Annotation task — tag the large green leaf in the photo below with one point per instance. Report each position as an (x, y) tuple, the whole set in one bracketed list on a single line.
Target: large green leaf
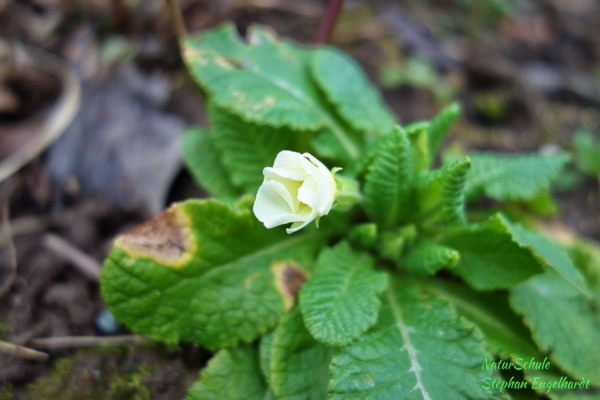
[(388, 182), (504, 332), (246, 148), (419, 349), (232, 374), (205, 273), (512, 176), (340, 299), (266, 81), (563, 323), (547, 253), (299, 363), (205, 165), (347, 87), (489, 256)]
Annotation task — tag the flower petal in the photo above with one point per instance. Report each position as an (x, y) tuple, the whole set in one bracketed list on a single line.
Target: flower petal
[(327, 187), (289, 164), (308, 192), (272, 200), (311, 168), (320, 166), (326, 194), (296, 226), (291, 186)]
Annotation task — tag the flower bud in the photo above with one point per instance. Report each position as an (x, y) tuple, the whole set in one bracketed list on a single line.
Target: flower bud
[(297, 189)]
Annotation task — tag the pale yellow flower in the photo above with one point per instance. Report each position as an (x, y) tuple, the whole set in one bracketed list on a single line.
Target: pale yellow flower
[(297, 189)]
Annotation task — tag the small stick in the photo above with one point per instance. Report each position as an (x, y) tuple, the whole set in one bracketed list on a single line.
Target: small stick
[(86, 264), (328, 22), (23, 352), (25, 225), (11, 265), (61, 342)]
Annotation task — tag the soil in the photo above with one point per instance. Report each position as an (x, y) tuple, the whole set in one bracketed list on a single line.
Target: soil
[(527, 76)]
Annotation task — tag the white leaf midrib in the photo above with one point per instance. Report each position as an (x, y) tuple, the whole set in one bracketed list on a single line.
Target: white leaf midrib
[(410, 349)]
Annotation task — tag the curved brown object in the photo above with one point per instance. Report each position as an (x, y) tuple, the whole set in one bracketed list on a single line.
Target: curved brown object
[(60, 116)]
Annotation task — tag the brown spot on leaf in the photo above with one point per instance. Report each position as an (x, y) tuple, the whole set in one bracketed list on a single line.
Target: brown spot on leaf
[(166, 238), (289, 277)]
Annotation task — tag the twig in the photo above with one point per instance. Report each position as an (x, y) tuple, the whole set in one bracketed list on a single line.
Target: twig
[(177, 18), (62, 113), (26, 225), (86, 264), (328, 22), (61, 342), (11, 264), (23, 352)]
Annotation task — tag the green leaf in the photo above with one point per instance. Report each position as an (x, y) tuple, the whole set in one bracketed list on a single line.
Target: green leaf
[(585, 255), (246, 148), (388, 182), (453, 192), (512, 177), (231, 374), (542, 204), (393, 243), (205, 273), (339, 300), (299, 364), (204, 163), (439, 127), (364, 235), (489, 257), (428, 257), (266, 344), (547, 253), (566, 393), (587, 153), (563, 323), (266, 81), (418, 134), (504, 332), (441, 194), (575, 392), (347, 87), (419, 349)]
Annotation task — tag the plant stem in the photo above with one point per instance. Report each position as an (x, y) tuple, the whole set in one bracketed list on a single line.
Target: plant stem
[(177, 18), (328, 22)]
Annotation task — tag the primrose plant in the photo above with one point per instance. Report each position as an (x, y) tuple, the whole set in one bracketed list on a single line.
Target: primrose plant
[(398, 293)]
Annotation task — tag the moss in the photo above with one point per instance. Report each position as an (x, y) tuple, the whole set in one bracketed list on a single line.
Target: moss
[(53, 386), (6, 392), (130, 387), (87, 375)]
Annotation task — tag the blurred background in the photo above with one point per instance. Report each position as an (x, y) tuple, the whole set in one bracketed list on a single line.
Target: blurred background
[(94, 100)]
